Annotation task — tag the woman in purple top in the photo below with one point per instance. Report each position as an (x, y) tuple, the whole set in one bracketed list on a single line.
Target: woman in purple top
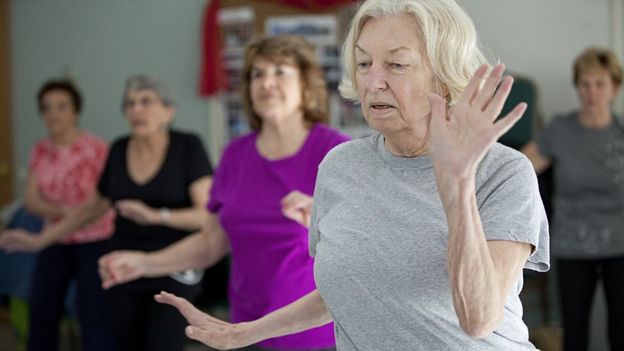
[(261, 196)]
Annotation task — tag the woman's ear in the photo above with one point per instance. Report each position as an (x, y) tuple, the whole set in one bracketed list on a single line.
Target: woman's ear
[(171, 111), (616, 91), (170, 114), (444, 92)]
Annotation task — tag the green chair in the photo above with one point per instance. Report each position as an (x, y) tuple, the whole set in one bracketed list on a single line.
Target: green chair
[(523, 90)]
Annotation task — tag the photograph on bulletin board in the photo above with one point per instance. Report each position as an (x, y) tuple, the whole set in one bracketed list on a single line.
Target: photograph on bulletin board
[(237, 28)]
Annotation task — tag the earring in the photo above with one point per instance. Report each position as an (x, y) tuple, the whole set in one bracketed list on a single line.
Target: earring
[(449, 101)]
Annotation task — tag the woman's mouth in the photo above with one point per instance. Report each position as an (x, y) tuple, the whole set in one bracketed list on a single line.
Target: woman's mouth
[(381, 106)]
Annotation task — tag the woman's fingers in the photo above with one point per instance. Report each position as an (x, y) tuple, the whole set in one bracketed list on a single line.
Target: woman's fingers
[(194, 316), (484, 96), (438, 110), (497, 102), (205, 328), (504, 124), (490, 97), (186, 308), (16, 240), (119, 267), (294, 197), (474, 85), (297, 206)]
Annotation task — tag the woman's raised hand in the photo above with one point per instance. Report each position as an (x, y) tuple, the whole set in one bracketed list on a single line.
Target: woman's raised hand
[(461, 136)]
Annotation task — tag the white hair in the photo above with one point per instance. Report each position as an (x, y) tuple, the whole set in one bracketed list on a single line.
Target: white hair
[(450, 42)]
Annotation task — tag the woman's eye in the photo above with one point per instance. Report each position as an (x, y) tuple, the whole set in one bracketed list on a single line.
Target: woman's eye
[(363, 65), (395, 65)]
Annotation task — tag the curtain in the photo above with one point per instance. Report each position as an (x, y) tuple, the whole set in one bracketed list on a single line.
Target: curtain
[(212, 77)]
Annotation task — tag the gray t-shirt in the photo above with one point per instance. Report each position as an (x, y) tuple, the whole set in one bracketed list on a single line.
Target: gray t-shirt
[(589, 188), (379, 235)]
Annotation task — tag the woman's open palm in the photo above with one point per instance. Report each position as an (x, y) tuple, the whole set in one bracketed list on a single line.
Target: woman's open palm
[(461, 136), (205, 328)]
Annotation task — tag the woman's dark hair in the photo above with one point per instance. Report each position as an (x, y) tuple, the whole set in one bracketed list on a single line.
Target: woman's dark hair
[(62, 85)]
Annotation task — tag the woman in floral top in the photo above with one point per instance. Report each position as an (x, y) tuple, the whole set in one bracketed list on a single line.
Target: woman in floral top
[(63, 173)]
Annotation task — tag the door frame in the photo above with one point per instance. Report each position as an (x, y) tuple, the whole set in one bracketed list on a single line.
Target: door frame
[(617, 42), (6, 141)]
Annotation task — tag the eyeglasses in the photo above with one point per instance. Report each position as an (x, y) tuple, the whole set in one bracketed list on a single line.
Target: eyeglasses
[(144, 102)]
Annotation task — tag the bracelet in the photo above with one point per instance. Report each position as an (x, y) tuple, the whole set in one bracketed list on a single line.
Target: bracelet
[(165, 214)]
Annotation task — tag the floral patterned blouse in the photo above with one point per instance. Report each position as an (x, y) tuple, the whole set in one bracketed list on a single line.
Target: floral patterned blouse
[(67, 176)]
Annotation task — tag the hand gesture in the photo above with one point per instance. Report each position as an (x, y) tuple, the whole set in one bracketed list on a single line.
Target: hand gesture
[(19, 240), (137, 211), (120, 267), (298, 207), (207, 329), (461, 136)]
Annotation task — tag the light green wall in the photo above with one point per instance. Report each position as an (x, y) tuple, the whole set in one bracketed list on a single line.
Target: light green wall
[(100, 43)]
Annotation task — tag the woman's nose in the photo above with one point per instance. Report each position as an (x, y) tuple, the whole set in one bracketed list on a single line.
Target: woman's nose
[(268, 81), (376, 79)]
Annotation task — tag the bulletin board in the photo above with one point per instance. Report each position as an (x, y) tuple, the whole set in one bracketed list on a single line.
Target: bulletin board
[(238, 29), (267, 8)]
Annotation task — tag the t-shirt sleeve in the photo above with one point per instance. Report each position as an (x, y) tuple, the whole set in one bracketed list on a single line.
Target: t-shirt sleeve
[(511, 209), (197, 165)]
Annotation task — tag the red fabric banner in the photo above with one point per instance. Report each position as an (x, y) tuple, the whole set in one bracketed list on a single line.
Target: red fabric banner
[(212, 77)]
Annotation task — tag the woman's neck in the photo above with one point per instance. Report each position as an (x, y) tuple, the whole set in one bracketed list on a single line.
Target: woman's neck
[(149, 144), (281, 140), (67, 137), (595, 119), (405, 144)]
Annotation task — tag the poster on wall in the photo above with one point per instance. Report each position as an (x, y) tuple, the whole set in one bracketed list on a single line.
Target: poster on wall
[(237, 28), (319, 30)]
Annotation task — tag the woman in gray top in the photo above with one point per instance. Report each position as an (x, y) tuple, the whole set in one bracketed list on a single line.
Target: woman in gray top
[(586, 148), (421, 231)]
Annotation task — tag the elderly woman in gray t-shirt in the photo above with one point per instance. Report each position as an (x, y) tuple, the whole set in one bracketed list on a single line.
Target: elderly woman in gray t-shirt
[(421, 231), (586, 148)]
